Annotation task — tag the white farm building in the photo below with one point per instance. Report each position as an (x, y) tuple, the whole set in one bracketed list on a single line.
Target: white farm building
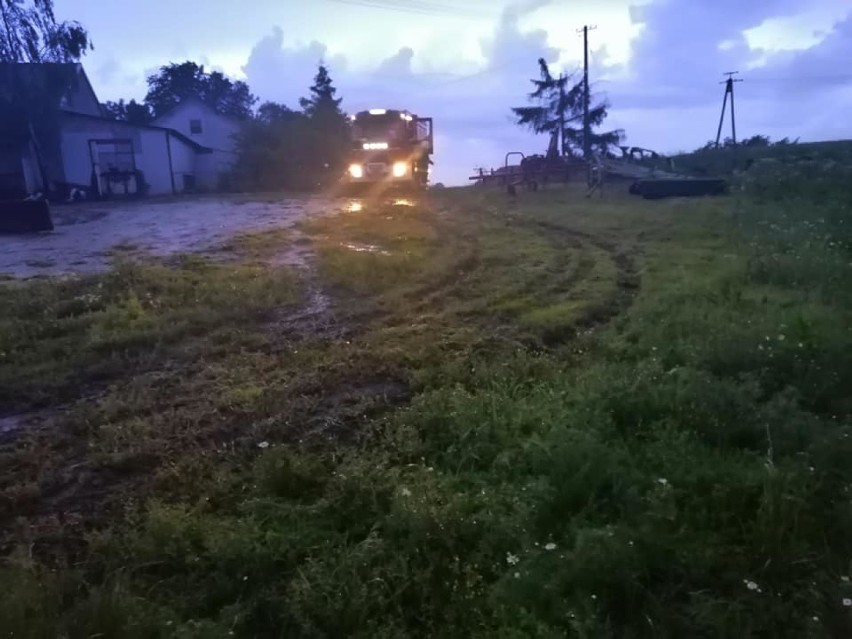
[(77, 146)]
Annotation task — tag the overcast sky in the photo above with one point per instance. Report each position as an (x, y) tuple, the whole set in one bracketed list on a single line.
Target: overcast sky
[(465, 63)]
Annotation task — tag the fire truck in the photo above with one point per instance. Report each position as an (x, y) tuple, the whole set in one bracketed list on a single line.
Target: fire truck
[(390, 148)]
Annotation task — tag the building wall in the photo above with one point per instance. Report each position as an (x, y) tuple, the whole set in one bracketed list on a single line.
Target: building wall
[(152, 158), (183, 164), (211, 168), (151, 148), (217, 131)]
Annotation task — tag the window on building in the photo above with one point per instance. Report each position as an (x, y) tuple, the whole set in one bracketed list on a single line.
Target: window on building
[(195, 126)]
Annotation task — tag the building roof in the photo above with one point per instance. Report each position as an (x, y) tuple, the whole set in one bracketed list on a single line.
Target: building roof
[(52, 81), (177, 134)]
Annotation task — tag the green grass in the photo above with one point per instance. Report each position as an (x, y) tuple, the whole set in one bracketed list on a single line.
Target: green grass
[(727, 160), (554, 417)]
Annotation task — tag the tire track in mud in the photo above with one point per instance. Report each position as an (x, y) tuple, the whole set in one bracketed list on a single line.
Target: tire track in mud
[(627, 280), (77, 494), (562, 239)]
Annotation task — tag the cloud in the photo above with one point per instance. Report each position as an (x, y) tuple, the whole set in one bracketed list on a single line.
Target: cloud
[(283, 74), (397, 64), (819, 66), (511, 48)]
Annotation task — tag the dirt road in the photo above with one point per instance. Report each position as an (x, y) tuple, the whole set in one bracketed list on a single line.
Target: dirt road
[(86, 234)]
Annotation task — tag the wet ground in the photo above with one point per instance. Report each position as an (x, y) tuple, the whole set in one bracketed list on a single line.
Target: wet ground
[(86, 234)]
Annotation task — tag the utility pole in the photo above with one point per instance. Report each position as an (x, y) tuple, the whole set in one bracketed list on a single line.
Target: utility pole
[(729, 89), (561, 115), (587, 134)]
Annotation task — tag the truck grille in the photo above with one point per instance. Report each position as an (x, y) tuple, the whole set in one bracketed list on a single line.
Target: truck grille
[(374, 169)]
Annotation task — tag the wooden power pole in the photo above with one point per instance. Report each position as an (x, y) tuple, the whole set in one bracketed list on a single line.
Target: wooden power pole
[(561, 115), (729, 89), (587, 132)]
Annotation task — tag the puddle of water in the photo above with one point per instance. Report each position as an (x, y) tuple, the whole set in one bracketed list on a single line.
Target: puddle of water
[(353, 207), (298, 256), (403, 202), (11, 424), (85, 235), (365, 248), (318, 303)]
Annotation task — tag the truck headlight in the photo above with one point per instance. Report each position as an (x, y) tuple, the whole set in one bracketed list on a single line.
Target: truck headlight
[(399, 169), (356, 171)]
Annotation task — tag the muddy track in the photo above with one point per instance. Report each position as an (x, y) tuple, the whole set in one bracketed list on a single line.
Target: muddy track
[(77, 494), (627, 284)]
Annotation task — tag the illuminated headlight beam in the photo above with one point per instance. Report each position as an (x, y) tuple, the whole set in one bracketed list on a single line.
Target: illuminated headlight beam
[(399, 169), (356, 171)]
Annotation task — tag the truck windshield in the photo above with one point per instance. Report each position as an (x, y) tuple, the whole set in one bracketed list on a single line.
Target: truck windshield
[(379, 128)]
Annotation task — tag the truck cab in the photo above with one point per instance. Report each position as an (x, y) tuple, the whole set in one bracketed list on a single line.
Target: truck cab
[(389, 148)]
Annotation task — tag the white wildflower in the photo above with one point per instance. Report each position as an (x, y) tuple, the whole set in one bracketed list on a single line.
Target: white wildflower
[(663, 481), (405, 492), (781, 337), (517, 575), (550, 546), (512, 559), (751, 585), (263, 445), (847, 602), (844, 579)]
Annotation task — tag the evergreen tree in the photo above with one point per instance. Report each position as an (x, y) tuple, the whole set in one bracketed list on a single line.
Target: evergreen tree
[(329, 127), (555, 102), (322, 104)]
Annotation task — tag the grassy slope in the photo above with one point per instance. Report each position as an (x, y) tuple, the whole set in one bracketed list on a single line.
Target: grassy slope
[(726, 160), (544, 418)]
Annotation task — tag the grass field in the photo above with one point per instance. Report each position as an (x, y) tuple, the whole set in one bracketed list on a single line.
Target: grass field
[(474, 417)]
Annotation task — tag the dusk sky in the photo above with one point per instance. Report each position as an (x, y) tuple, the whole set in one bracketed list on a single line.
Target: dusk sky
[(659, 62)]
